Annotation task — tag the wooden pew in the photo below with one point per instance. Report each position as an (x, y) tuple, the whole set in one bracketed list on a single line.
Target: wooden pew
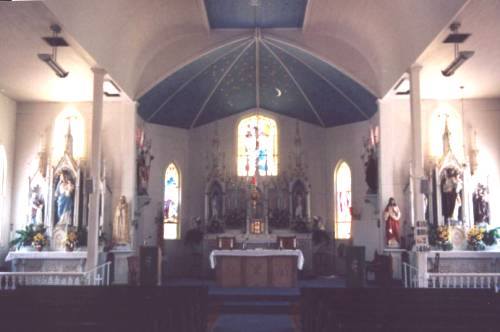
[(117, 308), (394, 309)]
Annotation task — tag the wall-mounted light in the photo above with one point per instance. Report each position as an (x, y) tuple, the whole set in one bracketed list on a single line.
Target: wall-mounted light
[(111, 89), (456, 38), (51, 59)]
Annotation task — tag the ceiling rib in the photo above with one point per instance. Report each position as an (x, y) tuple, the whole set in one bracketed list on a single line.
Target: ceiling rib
[(313, 109), (202, 108), (336, 88), (183, 85)]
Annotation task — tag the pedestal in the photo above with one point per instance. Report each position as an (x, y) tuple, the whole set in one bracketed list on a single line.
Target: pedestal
[(120, 266)]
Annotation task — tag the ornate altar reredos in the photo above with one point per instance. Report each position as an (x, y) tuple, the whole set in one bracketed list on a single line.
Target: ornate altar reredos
[(257, 205), (57, 195), (450, 197)]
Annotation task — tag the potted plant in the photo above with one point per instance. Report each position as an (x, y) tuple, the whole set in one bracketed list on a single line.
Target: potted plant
[(25, 236)]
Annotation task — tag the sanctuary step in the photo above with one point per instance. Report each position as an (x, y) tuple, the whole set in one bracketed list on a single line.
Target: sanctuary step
[(254, 301)]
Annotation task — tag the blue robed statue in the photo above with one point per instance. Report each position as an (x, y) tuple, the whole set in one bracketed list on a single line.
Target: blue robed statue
[(64, 194)]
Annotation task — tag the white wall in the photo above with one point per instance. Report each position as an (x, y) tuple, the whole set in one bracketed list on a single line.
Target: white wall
[(345, 143), (7, 139), (118, 146)]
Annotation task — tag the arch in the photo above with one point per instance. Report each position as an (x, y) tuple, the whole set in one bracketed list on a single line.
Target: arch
[(257, 139), (68, 121), (343, 200), (171, 202)]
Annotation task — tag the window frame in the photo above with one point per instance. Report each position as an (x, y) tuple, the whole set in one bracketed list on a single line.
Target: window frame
[(179, 191), (337, 222)]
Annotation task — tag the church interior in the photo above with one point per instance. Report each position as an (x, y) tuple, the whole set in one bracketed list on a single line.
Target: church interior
[(278, 165)]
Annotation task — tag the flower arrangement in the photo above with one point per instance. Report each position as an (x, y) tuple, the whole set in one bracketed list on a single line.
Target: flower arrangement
[(26, 235), (443, 238), (71, 241), (39, 241), (475, 237)]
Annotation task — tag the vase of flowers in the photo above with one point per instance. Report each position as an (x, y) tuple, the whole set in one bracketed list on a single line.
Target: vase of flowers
[(39, 241), (443, 238), (71, 241), (475, 238)]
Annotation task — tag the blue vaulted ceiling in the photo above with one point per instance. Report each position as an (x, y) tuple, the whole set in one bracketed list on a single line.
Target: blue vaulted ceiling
[(225, 81)]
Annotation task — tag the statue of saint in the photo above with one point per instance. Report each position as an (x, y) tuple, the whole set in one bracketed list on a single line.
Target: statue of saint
[(64, 195), (392, 214), (481, 206), (120, 223), (215, 206), (299, 209), (450, 189), (37, 206)]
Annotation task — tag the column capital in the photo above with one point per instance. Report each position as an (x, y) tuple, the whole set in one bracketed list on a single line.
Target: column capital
[(415, 68), (98, 71)]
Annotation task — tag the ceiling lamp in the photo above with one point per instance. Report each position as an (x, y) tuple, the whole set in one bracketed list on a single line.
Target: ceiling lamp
[(51, 59), (456, 38)]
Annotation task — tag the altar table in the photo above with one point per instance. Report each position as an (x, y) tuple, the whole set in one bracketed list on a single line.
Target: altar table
[(256, 268), (47, 261)]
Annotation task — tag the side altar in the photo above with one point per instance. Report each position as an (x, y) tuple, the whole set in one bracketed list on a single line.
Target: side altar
[(47, 261)]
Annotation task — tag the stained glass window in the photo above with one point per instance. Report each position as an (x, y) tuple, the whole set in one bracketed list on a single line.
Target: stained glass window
[(257, 144), (343, 201), (3, 183), (171, 203), (72, 118)]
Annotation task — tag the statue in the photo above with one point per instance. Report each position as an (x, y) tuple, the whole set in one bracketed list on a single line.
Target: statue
[(121, 234), (392, 214), (37, 206), (64, 198), (214, 205), (299, 210), (450, 189), (481, 205)]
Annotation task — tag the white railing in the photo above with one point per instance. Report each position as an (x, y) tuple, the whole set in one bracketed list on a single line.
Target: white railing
[(463, 280), (410, 276), (98, 276)]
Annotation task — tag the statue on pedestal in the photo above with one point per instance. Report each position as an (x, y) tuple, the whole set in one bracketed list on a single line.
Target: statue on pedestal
[(121, 235), (392, 214)]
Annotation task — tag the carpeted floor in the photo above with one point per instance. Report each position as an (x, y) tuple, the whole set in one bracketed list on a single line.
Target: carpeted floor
[(253, 323)]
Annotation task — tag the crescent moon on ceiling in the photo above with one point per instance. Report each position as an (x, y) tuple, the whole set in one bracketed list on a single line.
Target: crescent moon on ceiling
[(278, 92)]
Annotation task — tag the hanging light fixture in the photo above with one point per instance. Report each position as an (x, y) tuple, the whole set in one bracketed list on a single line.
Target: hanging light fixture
[(456, 38), (51, 59)]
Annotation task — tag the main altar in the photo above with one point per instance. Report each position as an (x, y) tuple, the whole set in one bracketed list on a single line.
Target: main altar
[(255, 210)]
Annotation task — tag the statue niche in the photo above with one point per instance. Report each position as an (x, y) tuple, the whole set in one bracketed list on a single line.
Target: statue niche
[(67, 197), (278, 209), (235, 205)]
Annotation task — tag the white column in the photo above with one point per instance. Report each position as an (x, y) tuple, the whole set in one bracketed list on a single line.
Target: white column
[(417, 153), (417, 164), (95, 167)]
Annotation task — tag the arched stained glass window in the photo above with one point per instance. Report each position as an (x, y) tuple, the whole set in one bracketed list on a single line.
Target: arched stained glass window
[(343, 201), (257, 141), (171, 203), (3, 183), (69, 119)]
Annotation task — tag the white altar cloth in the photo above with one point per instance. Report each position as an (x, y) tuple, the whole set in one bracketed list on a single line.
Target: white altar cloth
[(13, 255), (258, 253)]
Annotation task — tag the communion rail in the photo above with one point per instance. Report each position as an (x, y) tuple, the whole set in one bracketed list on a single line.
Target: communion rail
[(98, 276), (450, 280)]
